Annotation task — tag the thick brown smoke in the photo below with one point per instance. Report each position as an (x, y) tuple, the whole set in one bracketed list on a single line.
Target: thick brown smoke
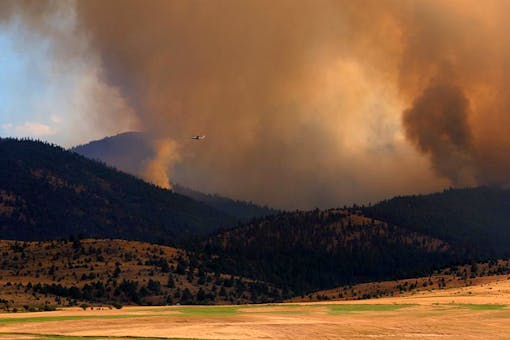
[(461, 48), (310, 102), (437, 123)]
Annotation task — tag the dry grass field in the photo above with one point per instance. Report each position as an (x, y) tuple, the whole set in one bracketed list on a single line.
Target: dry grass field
[(475, 312)]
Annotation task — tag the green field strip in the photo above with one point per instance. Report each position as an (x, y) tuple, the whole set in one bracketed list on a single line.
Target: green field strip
[(350, 308), (208, 311), (86, 337), (293, 309), (4, 321), (479, 307)]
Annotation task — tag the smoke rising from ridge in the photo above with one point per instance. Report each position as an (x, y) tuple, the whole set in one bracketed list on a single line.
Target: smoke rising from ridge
[(157, 168), (310, 103)]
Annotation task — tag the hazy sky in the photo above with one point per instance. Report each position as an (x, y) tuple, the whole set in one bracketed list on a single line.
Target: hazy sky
[(39, 102), (304, 103), (42, 96)]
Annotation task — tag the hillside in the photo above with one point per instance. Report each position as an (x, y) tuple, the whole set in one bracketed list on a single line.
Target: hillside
[(44, 275), (67, 273), (129, 152), (244, 211), (466, 275), (126, 151), (48, 193), (306, 251), (476, 219)]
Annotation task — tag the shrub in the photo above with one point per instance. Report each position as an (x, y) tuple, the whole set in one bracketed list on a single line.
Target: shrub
[(117, 305)]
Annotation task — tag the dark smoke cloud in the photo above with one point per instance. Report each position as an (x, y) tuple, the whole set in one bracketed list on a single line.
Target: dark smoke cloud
[(437, 124), (309, 103)]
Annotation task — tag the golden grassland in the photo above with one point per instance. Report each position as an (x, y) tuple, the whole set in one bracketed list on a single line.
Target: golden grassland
[(478, 311)]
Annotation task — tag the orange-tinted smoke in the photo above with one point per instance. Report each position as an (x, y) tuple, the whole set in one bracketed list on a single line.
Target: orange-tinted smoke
[(157, 168), (315, 103)]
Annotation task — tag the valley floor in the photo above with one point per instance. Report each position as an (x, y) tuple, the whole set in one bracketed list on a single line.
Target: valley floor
[(480, 311)]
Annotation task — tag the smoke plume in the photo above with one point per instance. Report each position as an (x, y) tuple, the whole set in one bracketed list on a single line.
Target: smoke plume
[(157, 168), (437, 124), (307, 103)]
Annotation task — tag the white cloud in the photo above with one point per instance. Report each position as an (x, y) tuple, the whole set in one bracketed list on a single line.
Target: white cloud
[(56, 119), (7, 126), (34, 129)]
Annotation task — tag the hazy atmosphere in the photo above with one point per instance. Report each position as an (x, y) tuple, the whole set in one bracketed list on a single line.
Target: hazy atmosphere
[(254, 169), (304, 104)]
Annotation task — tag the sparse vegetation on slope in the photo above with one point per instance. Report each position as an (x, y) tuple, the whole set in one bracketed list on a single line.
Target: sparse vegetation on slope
[(451, 277), (38, 275)]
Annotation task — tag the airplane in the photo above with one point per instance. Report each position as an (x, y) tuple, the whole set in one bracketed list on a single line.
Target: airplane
[(198, 137)]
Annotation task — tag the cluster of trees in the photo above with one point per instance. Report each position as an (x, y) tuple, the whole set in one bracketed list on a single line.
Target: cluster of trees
[(106, 271), (133, 292)]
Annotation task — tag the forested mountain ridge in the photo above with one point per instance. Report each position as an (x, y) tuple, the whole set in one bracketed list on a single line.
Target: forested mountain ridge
[(129, 151), (474, 219), (47, 193), (242, 210), (402, 237), (306, 251)]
